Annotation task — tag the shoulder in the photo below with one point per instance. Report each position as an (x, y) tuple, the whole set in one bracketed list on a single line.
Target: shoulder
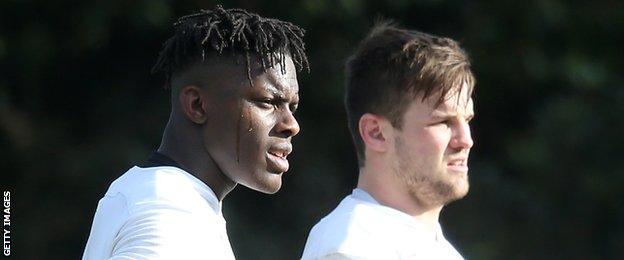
[(171, 214), (152, 181), (158, 212), (350, 229), (352, 216), (169, 233), (161, 186)]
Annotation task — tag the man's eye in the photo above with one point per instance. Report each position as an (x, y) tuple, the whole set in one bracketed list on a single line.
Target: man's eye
[(267, 103), (443, 122), (293, 109)]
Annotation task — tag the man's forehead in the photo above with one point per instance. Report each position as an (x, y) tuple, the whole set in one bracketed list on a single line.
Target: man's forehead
[(454, 106), (280, 79), (458, 101)]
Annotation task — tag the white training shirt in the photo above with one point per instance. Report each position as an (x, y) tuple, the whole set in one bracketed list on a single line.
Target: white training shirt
[(361, 228), (158, 213)]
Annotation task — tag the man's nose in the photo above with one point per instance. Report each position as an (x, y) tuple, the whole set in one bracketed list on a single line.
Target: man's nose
[(462, 138), (287, 125)]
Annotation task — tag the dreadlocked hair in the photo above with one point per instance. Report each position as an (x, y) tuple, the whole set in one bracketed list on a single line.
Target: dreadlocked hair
[(233, 30)]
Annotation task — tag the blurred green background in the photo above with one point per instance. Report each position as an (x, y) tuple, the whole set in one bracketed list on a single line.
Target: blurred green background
[(78, 107)]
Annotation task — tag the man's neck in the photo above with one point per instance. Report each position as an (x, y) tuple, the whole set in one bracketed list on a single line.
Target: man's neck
[(191, 156), (390, 191)]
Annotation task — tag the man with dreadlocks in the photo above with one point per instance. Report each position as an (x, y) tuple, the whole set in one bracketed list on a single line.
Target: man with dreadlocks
[(408, 102), (233, 94)]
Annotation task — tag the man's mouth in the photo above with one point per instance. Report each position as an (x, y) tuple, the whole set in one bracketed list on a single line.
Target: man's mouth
[(281, 154), (276, 158), (458, 165)]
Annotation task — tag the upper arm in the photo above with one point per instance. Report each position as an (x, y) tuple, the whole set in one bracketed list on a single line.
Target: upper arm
[(110, 215)]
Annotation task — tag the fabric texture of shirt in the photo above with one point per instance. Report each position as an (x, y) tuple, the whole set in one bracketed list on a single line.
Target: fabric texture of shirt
[(361, 228), (158, 213)]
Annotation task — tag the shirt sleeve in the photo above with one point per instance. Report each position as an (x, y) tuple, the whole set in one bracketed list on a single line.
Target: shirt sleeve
[(110, 215), (164, 232)]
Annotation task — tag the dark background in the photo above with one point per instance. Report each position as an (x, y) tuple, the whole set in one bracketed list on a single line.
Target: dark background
[(78, 107)]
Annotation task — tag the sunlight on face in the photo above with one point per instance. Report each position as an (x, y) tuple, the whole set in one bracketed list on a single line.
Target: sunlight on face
[(432, 148), (254, 125)]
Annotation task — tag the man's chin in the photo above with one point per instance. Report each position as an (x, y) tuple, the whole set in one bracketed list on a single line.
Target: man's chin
[(450, 191), (460, 185), (460, 191), (268, 185)]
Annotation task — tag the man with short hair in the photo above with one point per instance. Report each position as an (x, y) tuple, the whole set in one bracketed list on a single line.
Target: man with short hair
[(233, 94), (408, 102)]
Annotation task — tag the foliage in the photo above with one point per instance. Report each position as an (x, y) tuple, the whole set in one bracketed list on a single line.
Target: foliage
[(78, 107)]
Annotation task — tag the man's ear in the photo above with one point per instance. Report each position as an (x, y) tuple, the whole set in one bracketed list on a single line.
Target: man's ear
[(194, 103), (372, 130)]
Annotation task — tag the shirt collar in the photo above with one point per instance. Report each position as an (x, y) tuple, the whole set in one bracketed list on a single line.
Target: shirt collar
[(157, 159)]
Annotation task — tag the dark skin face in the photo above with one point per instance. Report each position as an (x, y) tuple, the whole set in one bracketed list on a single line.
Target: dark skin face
[(225, 131)]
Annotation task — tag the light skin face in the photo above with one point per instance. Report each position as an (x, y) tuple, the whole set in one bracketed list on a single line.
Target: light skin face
[(432, 147), (248, 134), (421, 166)]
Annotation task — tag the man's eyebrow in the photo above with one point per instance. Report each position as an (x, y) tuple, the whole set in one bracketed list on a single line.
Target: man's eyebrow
[(279, 96)]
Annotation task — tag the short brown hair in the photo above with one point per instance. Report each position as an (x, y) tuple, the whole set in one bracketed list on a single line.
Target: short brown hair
[(392, 66)]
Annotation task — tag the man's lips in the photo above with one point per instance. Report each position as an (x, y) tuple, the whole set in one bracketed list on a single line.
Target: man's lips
[(276, 157), (458, 164), (276, 163)]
